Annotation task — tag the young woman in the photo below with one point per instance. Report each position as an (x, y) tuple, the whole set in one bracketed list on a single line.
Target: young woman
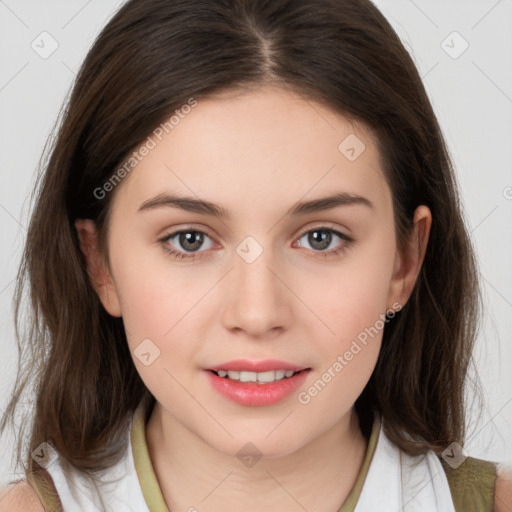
[(252, 286)]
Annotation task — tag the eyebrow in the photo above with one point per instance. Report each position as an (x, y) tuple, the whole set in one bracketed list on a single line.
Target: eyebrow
[(191, 204)]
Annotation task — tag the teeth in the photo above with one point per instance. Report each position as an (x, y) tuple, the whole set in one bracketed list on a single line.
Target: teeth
[(260, 377), (245, 376)]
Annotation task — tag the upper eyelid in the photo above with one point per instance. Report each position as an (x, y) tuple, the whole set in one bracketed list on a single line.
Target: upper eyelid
[(172, 234), (325, 226)]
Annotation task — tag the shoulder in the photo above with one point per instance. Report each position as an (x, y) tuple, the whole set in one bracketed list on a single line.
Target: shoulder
[(479, 484), (20, 497), (503, 491), (472, 484)]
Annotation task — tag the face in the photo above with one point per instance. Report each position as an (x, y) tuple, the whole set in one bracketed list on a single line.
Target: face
[(262, 282)]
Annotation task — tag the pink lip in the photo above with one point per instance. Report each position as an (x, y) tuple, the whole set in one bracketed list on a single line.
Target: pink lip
[(256, 366), (254, 394)]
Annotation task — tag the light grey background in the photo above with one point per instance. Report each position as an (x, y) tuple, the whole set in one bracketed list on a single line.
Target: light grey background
[(471, 95)]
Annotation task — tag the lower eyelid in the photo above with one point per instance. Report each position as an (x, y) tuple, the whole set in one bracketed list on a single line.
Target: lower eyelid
[(345, 238), (167, 238), (171, 249)]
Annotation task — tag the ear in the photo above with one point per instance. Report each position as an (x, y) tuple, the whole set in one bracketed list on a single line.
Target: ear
[(408, 262), (98, 271)]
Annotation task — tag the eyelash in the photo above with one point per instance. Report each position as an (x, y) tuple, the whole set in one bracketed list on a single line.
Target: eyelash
[(191, 256)]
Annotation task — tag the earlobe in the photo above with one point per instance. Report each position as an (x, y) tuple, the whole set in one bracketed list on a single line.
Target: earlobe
[(408, 264), (99, 274)]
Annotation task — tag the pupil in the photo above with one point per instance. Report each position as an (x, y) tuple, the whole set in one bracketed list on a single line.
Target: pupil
[(323, 236), (193, 238)]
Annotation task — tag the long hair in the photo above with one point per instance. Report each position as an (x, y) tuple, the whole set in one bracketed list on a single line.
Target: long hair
[(153, 57)]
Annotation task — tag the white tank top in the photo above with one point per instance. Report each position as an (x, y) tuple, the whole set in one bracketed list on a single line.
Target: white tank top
[(389, 480)]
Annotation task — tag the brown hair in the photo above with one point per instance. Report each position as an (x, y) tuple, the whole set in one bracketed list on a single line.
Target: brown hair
[(149, 60)]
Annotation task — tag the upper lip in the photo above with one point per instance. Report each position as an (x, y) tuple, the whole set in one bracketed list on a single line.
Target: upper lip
[(256, 366)]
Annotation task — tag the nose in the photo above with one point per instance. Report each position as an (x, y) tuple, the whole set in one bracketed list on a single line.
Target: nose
[(258, 300)]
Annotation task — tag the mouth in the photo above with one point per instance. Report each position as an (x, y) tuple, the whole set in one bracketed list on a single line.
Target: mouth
[(266, 377), (252, 383)]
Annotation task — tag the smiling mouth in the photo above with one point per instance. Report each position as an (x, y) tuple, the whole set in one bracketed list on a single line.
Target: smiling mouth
[(257, 377)]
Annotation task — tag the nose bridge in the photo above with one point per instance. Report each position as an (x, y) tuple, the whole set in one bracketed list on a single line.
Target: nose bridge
[(258, 301)]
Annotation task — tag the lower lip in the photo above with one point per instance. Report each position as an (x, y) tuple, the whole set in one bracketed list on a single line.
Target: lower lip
[(252, 393)]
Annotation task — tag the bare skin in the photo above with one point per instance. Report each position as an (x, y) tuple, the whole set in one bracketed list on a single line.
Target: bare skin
[(255, 154)]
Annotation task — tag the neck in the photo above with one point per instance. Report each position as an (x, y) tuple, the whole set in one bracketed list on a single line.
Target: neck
[(191, 473)]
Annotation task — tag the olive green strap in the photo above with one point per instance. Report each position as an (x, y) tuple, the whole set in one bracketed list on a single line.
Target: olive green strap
[(42, 483), (472, 484)]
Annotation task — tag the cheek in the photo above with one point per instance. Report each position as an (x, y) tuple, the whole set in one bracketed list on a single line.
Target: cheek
[(155, 298), (351, 302), (158, 307), (348, 352), (353, 296)]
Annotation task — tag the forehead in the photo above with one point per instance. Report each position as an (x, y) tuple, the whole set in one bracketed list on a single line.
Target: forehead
[(238, 145)]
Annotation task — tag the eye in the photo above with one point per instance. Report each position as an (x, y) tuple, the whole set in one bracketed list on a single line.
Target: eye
[(184, 244), (322, 237), (186, 240)]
